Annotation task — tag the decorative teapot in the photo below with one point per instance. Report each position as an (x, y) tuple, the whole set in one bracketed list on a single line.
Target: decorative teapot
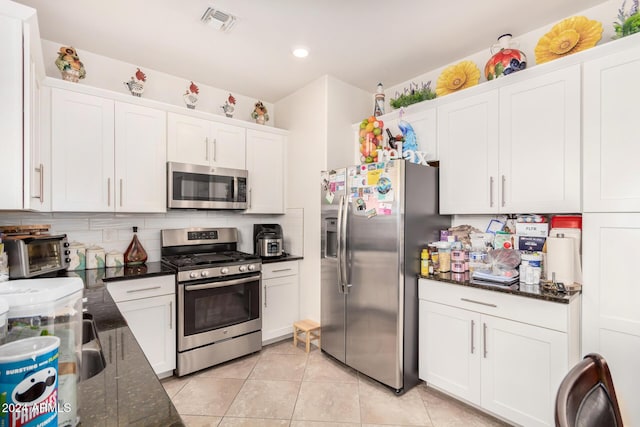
[(136, 84), (506, 58)]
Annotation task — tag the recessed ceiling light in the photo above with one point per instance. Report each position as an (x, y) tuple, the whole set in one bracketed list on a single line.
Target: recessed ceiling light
[(300, 52)]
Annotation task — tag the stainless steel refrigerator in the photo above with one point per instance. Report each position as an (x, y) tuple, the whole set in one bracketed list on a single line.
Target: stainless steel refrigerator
[(375, 220)]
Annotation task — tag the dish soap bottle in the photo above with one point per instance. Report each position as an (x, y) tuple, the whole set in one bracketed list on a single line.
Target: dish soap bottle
[(135, 253)]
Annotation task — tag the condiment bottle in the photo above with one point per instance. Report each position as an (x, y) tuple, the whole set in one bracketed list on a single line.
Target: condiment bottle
[(424, 262), (135, 253)]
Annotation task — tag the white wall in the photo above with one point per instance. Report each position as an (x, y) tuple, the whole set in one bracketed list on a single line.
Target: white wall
[(109, 73), (319, 118), (347, 105), (606, 13)]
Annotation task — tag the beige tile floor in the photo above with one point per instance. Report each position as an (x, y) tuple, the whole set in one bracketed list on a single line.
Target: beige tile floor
[(284, 386)]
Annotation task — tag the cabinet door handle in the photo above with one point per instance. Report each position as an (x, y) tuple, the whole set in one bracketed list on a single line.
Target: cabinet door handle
[(265, 296), (108, 191), (170, 314), (484, 339), (503, 185), (282, 269), (249, 198), (214, 149), (206, 148), (473, 327), (490, 191), (122, 342), (41, 170), (130, 291), (478, 302), (120, 192)]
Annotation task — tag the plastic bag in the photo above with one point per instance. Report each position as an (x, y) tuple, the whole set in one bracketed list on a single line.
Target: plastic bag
[(504, 262)]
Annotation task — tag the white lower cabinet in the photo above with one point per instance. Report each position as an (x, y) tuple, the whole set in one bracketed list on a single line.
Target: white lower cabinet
[(148, 305), (490, 350), (279, 299)]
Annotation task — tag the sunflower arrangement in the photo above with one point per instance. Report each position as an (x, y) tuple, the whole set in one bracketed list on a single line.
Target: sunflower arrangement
[(457, 77), (570, 36)]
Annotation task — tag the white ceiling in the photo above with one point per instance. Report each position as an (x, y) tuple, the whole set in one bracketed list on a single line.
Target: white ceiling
[(361, 42)]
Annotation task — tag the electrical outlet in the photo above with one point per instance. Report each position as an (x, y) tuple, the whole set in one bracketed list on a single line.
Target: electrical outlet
[(109, 235)]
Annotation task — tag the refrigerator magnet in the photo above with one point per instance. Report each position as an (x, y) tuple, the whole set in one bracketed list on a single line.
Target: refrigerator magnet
[(373, 176), (329, 197)]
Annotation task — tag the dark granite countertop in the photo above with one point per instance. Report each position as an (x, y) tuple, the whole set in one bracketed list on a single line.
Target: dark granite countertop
[(127, 392), (283, 258), (529, 291)]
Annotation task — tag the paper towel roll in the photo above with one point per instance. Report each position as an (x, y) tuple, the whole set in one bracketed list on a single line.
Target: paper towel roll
[(560, 259), (575, 234)]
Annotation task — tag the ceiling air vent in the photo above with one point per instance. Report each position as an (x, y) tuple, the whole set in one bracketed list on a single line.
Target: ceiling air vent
[(219, 20)]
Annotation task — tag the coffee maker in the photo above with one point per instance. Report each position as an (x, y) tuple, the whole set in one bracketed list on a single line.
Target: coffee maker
[(267, 240)]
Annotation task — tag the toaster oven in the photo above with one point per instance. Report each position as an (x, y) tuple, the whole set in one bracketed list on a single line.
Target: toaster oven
[(36, 255)]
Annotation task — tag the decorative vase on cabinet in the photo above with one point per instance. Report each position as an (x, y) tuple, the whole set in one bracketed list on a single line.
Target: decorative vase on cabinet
[(135, 253), (505, 60)]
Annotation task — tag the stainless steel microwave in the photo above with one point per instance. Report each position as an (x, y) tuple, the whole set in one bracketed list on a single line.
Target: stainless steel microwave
[(204, 187)]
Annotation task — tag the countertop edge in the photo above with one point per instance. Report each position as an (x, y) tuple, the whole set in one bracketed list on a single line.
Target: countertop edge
[(543, 295), (282, 259)]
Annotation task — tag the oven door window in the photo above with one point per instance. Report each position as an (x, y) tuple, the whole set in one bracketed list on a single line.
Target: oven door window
[(202, 187), (216, 305), (44, 255)]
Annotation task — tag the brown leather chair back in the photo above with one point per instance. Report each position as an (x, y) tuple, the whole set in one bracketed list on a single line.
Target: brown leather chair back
[(586, 397)]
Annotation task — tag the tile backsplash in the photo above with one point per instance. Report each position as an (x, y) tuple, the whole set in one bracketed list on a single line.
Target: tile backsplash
[(114, 231)]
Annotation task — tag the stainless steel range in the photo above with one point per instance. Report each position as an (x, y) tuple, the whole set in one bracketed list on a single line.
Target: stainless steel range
[(219, 302)]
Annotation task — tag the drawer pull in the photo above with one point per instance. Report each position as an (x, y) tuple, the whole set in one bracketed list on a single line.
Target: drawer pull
[(478, 302), (130, 291), (281, 270), (170, 314)]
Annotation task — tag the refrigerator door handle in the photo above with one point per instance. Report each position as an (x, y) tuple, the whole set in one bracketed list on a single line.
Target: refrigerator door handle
[(339, 245), (345, 268)]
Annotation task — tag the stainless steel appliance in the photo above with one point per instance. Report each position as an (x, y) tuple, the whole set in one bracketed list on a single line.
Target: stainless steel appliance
[(36, 255), (375, 220), (267, 240), (203, 187), (219, 314)]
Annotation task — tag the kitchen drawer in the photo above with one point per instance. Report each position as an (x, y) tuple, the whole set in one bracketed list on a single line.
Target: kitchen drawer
[(279, 269), (546, 314), (126, 290)]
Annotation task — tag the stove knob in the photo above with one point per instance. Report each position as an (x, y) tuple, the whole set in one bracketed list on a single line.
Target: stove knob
[(204, 273), (193, 275), (224, 270), (242, 268), (252, 267)]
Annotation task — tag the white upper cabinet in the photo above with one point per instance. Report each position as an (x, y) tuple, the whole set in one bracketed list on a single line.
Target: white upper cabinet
[(106, 156), (540, 143), (204, 142), (611, 182), (82, 137), (266, 167), (468, 148), (140, 158), (513, 149), (23, 157)]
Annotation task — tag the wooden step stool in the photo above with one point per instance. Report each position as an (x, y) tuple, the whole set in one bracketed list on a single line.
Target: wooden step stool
[(311, 330)]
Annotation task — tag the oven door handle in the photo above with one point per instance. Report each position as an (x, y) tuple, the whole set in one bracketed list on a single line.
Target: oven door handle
[(189, 288)]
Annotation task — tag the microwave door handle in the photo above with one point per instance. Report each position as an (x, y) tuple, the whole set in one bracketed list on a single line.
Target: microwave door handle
[(236, 196)]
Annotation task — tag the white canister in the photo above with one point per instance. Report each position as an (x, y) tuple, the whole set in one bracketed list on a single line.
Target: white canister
[(95, 257), (77, 256), (114, 259)]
